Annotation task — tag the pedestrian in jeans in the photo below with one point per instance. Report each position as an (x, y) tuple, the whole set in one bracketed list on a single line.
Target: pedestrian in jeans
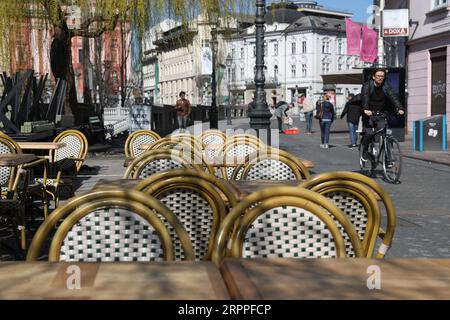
[(280, 112), (308, 110), (353, 111), (325, 114), (183, 107)]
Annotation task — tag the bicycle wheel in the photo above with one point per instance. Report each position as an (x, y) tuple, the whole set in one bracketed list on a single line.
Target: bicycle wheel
[(392, 160)]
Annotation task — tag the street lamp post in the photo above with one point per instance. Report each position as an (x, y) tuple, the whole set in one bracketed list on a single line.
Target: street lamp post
[(213, 112), (229, 62), (260, 114)]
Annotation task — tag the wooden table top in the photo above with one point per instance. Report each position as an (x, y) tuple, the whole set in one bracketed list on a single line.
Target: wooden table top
[(41, 145), (117, 281), (12, 160), (329, 279)]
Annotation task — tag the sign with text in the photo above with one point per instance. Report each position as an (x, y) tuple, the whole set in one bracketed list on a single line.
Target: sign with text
[(395, 23), (140, 118)]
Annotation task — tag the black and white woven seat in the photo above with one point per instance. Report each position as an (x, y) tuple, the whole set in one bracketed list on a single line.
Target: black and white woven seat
[(285, 222), (193, 198), (113, 225), (136, 139), (288, 232), (158, 160), (358, 203), (112, 234)]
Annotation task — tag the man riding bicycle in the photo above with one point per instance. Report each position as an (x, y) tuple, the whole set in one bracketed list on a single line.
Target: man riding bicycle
[(377, 100)]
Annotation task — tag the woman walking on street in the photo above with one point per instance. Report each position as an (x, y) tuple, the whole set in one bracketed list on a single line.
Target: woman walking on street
[(353, 111), (308, 110), (325, 114)]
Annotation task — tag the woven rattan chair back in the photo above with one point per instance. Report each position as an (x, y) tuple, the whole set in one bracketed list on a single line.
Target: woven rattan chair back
[(238, 149), (76, 148), (136, 139), (212, 136), (269, 165), (380, 195), (7, 174), (198, 206), (113, 225), (158, 160), (285, 222), (359, 205)]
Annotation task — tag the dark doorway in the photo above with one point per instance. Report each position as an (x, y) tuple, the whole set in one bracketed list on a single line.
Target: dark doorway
[(438, 80)]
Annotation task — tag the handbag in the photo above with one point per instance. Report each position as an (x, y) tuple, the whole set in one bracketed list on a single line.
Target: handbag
[(320, 114)]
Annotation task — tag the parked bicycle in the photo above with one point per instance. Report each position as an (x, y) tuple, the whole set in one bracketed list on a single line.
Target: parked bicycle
[(383, 149)]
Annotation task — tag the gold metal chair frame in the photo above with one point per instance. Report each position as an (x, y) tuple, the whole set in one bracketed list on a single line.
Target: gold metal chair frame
[(77, 208), (16, 175), (227, 189), (207, 192), (386, 236), (299, 171), (211, 132), (284, 196), (79, 160), (364, 196), (129, 152), (138, 165)]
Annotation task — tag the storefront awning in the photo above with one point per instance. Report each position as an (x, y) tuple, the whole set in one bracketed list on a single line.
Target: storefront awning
[(344, 77)]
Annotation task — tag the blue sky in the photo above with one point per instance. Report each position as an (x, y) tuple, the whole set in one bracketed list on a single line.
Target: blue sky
[(357, 7)]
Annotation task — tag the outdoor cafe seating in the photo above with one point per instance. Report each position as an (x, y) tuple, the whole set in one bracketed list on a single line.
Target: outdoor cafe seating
[(226, 225)]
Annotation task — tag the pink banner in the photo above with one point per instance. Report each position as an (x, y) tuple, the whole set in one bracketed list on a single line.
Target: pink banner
[(353, 31), (369, 47)]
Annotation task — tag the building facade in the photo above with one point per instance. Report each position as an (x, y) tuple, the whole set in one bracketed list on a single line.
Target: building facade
[(302, 42), (175, 59), (428, 59)]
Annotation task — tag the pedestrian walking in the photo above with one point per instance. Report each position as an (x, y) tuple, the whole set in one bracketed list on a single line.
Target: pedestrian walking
[(325, 115), (308, 111), (183, 107), (353, 111)]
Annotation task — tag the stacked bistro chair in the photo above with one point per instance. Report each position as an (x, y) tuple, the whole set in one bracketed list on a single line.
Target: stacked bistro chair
[(359, 205), (158, 160), (114, 225), (325, 182), (238, 148), (271, 164), (136, 139), (189, 147), (287, 222), (196, 198), (67, 162), (213, 141), (16, 191), (246, 136)]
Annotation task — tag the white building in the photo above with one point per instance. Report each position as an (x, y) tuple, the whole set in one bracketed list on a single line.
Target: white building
[(303, 41), (176, 58)]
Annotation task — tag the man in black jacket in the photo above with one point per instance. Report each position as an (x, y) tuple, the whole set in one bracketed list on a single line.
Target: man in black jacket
[(377, 97), (353, 111)]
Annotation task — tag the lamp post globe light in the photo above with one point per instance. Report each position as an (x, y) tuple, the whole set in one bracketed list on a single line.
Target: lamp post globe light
[(229, 63), (213, 112), (260, 114)]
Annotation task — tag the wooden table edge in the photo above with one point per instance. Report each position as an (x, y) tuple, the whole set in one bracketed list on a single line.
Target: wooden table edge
[(235, 276)]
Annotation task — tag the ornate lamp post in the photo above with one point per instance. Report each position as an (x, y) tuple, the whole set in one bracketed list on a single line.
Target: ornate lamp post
[(229, 62), (260, 114), (213, 112)]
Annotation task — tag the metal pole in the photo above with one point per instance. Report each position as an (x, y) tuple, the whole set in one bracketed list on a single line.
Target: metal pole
[(380, 37), (229, 97), (260, 115), (213, 112)]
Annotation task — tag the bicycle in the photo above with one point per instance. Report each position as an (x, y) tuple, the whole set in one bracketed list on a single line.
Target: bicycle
[(386, 152)]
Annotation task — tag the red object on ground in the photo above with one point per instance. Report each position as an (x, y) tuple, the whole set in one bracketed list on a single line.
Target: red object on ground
[(292, 131)]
